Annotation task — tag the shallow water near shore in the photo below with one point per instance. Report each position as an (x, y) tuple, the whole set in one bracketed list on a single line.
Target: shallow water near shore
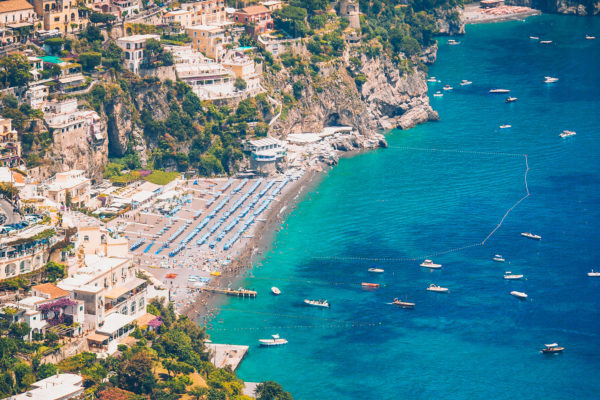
[(410, 201)]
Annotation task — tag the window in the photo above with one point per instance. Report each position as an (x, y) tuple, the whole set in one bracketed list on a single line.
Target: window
[(124, 310), (86, 238), (133, 307), (141, 302), (56, 19)]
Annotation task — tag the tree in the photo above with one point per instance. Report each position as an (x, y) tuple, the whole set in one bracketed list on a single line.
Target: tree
[(101, 18), (270, 390), (51, 338), (14, 70), (54, 271), (240, 84), (198, 391), (135, 374), (45, 370), (7, 189), (18, 330), (90, 60)]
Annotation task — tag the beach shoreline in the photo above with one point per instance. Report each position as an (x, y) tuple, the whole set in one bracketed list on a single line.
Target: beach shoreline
[(473, 14)]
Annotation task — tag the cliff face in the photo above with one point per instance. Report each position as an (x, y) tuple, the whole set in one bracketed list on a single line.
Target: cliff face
[(571, 7), (449, 22)]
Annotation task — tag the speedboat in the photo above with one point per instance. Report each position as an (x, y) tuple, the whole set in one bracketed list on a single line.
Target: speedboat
[(510, 100), (435, 288), (534, 38), (375, 270), (453, 42), (549, 79), (465, 82), (317, 303), (545, 41), (369, 285), (566, 134), (593, 274), (552, 348), (519, 295), (494, 91), (447, 87), (274, 341), (430, 264), (505, 126), (275, 291), (432, 79), (530, 235), (512, 277), (498, 258), (589, 37), (438, 94), (403, 304)]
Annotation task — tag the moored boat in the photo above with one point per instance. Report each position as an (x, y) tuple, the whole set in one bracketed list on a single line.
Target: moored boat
[(494, 91), (275, 291), (403, 304), (447, 87), (519, 295), (498, 258), (534, 38), (511, 277), (510, 100), (566, 134), (593, 274), (376, 270), (435, 288), (317, 303), (549, 79), (274, 341), (465, 82), (369, 285), (552, 348), (545, 41), (432, 79), (530, 235), (590, 37), (430, 264), (505, 126), (438, 94), (453, 42)]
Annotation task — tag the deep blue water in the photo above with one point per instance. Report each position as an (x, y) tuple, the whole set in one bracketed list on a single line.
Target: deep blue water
[(478, 341)]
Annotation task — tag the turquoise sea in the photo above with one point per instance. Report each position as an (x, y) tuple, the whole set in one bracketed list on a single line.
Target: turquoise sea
[(439, 187)]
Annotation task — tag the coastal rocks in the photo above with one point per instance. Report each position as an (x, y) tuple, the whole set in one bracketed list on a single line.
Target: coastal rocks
[(119, 126), (570, 7), (449, 22)]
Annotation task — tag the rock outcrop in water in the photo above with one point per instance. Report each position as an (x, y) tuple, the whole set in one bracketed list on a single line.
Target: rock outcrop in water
[(570, 7)]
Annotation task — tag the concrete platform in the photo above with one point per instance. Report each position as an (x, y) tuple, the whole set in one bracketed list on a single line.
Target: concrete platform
[(226, 354)]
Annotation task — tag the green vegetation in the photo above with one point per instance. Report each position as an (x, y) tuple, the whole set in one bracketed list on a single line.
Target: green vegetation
[(54, 271), (161, 177), (14, 71), (90, 60)]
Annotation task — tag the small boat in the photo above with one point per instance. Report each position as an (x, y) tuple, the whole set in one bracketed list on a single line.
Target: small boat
[(549, 79), (432, 79), (593, 274), (589, 37), (512, 277), (534, 38), (447, 87), (505, 126), (566, 134), (530, 235), (494, 91), (552, 348), (275, 291), (465, 82), (375, 270), (519, 295), (403, 304), (435, 288), (510, 100), (274, 341), (498, 258), (545, 41), (438, 94), (216, 273), (317, 303), (369, 285), (430, 264), (453, 42)]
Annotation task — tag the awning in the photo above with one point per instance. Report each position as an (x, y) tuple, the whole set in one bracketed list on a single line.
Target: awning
[(113, 323), (118, 291), (97, 338)]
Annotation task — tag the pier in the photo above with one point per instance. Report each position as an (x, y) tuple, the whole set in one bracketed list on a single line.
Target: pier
[(230, 292), (222, 355)]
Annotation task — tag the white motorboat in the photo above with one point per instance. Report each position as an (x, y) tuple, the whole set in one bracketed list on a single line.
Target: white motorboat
[(495, 91), (403, 304), (550, 79), (545, 41), (519, 295), (498, 258), (509, 276), (376, 270), (448, 87), (465, 82), (453, 42), (430, 264), (510, 99), (593, 274), (566, 134), (274, 341), (275, 291), (317, 303), (506, 126), (432, 79), (589, 37), (534, 38), (552, 348), (438, 289), (438, 94), (530, 235)]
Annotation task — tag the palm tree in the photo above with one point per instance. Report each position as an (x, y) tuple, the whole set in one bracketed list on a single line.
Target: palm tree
[(198, 391)]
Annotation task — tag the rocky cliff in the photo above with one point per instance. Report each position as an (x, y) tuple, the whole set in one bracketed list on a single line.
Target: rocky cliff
[(571, 7)]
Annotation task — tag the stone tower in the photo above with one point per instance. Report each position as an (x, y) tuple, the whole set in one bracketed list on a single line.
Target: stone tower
[(349, 9)]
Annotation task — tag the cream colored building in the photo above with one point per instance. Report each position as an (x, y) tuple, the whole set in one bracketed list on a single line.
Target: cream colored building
[(58, 14), (20, 253), (73, 184), (10, 145), (16, 12), (181, 17), (210, 40), (208, 12)]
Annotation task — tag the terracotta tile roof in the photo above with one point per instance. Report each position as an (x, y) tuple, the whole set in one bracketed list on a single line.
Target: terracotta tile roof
[(51, 289), (18, 177), (14, 5), (252, 10)]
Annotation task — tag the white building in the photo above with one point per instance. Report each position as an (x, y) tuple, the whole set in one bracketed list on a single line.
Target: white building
[(36, 96), (63, 117), (265, 153), (71, 184), (126, 7), (181, 17), (15, 12), (134, 46), (56, 387)]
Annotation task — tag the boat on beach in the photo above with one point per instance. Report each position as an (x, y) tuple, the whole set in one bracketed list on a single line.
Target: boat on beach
[(510, 99), (369, 285), (317, 303), (495, 91), (519, 295), (552, 348), (512, 277), (376, 270), (275, 291), (465, 82), (498, 258), (550, 79), (530, 235), (593, 274), (438, 289), (274, 341), (403, 304), (430, 264), (566, 134)]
